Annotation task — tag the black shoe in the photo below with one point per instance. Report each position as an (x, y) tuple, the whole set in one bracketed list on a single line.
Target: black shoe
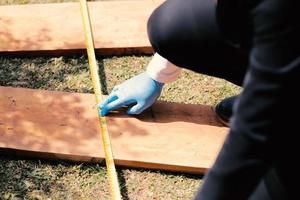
[(224, 109)]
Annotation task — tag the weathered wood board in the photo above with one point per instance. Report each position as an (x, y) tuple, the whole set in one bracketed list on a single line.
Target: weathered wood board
[(60, 125), (119, 27)]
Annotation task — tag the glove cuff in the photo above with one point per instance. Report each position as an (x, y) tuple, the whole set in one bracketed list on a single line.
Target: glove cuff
[(162, 70)]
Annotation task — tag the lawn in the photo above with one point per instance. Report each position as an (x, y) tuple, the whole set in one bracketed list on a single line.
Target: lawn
[(23, 178)]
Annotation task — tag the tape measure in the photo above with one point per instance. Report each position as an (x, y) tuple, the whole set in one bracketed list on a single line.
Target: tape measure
[(93, 66)]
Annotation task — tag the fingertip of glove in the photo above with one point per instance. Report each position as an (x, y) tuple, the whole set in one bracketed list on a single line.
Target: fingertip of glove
[(102, 112), (131, 112)]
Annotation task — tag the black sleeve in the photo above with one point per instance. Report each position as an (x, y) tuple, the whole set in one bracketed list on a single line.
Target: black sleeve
[(259, 116)]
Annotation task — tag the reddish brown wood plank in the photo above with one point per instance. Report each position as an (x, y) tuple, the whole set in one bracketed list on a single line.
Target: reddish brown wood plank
[(119, 27), (59, 125)]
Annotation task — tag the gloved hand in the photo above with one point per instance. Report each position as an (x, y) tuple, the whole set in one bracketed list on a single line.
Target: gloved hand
[(140, 90)]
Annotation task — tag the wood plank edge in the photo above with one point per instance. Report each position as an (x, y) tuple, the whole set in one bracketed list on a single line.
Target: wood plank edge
[(78, 52), (49, 155), (158, 166), (88, 159)]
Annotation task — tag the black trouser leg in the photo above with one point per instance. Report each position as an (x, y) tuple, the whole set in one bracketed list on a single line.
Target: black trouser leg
[(186, 33), (260, 193)]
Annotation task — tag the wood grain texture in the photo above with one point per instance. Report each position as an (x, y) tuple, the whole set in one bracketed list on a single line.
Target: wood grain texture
[(119, 27), (60, 125)]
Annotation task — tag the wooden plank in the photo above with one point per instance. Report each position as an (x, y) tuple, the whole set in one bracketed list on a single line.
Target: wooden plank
[(60, 125), (119, 27)]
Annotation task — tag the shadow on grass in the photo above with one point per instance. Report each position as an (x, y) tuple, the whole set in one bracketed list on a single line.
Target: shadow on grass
[(21, 177), (41, 179), (102, 76)]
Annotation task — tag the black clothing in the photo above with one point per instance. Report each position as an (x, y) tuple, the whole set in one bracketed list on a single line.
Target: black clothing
[(224, 109), (254, 43), (187, 34)]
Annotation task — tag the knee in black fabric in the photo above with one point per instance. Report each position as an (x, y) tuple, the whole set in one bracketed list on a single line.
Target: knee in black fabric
[(186, 33), (161, 35), (177, 28)]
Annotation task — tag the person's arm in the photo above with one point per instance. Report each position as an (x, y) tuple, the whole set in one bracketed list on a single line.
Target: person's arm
[(259, 116), (162, 70), (141, 91)]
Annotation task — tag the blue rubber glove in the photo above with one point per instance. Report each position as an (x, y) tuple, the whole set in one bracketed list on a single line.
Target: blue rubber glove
[(140, 90)]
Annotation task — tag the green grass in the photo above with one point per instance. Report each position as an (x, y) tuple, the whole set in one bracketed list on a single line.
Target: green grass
[(71, 74), (28, 179), (22, 178)]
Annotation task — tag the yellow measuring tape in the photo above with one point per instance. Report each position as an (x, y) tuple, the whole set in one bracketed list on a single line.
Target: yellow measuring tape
[(111, 170)]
